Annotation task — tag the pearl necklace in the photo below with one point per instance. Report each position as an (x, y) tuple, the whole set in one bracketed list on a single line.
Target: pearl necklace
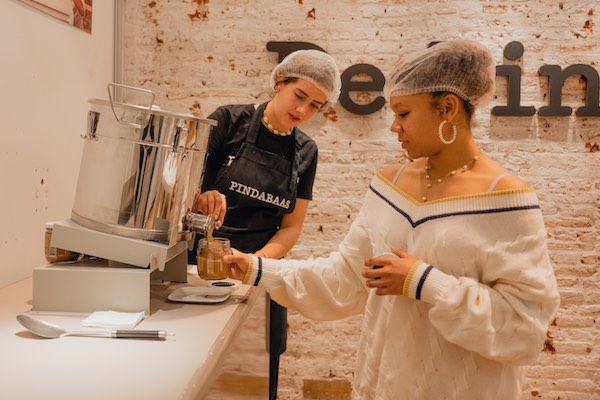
[(267, 125), (429, 182)]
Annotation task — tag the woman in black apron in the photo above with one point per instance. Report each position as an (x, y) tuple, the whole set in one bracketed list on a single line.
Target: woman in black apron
[(260, 171)]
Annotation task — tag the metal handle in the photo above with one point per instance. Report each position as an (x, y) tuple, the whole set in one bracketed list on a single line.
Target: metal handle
[(120, 334), (139, 334), (121, 119), (106, 334)]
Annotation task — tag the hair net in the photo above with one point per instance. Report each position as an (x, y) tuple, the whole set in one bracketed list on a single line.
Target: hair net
[(316, 66), (463, 67)]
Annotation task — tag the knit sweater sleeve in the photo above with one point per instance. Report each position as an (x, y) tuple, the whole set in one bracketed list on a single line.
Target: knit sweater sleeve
[(503, 316), (325, 288)]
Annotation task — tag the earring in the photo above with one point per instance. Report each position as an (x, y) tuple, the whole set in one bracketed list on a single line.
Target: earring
[(441, 134)]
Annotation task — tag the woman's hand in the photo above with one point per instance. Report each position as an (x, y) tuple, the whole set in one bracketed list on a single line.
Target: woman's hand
[(211, 202), (389, 279), (238, 263)]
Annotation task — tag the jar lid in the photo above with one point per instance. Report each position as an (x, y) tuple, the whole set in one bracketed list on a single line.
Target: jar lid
[(225, 283), (50, 224)]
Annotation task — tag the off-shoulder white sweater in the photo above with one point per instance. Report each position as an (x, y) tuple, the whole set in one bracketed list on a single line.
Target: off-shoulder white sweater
[(465, 325)]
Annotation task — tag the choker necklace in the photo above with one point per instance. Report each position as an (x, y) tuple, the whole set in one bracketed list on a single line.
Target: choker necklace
[(267, 125), (429, 182)]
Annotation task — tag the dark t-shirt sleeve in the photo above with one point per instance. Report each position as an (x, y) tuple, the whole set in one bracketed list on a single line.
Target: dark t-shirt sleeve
[(224, 139), (217, 137)]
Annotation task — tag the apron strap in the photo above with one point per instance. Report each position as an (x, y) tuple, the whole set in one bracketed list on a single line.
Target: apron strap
[(295, 163), (254, 126)]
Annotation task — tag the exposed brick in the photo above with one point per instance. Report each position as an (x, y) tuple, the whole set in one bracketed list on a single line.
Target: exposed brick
[(213, 53)]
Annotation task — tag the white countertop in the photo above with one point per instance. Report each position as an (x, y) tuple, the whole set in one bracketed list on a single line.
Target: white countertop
[(181, 367)]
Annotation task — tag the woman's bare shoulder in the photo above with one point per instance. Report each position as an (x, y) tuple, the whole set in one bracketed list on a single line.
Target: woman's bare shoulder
[(506, 180), (510, 182), (389, 171)]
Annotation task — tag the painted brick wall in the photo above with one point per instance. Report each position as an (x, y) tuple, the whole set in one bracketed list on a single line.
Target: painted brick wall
[(198, 54)]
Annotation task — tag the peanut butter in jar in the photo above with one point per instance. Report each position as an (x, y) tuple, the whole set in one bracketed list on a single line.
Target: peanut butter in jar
[(210, 251), (52, 253)]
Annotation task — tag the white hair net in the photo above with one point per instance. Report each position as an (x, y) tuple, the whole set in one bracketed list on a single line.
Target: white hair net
[(463, 67), (316, 66)]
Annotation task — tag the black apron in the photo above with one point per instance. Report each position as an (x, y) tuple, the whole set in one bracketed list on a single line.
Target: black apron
[(268, 182), (260, 188)]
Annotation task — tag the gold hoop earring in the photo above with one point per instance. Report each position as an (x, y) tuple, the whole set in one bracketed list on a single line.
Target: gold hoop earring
[(441, 134)]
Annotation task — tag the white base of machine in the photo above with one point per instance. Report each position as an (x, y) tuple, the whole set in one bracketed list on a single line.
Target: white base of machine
[(118, 280), (99, 285)]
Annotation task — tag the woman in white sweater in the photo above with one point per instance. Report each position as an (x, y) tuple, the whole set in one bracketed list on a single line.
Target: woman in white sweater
[(466, 289)]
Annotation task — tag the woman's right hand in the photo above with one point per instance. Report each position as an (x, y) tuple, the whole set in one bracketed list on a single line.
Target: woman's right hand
[(211, 202), (239, 263)]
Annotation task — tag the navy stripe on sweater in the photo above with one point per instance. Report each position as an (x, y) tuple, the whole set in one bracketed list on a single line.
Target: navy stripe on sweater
[(432, 217), (259, 273)]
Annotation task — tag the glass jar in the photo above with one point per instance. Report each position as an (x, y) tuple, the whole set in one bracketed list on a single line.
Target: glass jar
[(210, 264), (52, 253)]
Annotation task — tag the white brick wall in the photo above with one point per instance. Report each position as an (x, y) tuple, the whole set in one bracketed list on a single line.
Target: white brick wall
[(199, 54)]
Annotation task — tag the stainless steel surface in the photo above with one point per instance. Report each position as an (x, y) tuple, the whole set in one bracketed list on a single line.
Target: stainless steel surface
[(140, 182), (200, 223), (48, 330)]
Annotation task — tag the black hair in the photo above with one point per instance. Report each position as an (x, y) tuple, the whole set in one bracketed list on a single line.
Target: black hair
[(436, 97)]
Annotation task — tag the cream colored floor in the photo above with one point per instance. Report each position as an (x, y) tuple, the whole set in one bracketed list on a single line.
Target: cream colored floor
[(234, 387), (239, 387)]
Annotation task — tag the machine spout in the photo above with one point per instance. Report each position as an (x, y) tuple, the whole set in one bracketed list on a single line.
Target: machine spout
[(200, 223)]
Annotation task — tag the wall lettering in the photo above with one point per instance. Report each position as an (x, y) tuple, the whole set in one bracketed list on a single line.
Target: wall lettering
[(513, 108), (556, 79), (348, 85)]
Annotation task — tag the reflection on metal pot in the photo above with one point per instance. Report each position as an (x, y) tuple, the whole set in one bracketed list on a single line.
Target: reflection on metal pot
[(138, 179)]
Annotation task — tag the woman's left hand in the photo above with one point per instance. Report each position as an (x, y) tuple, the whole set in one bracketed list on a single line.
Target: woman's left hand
[(389, 279), (238, 263)]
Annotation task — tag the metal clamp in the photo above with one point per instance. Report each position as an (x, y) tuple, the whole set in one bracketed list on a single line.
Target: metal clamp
[(92, 125)]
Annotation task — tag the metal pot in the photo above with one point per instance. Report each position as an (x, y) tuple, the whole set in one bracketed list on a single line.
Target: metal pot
[(139, 170)]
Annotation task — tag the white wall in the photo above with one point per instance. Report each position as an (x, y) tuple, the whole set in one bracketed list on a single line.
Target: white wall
[(48, 71)]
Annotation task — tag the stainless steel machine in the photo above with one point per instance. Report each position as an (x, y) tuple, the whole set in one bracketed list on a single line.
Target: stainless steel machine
[(131, 217)]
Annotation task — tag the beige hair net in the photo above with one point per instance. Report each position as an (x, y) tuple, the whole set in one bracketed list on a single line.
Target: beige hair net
[(317, 67), (463, 67)]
